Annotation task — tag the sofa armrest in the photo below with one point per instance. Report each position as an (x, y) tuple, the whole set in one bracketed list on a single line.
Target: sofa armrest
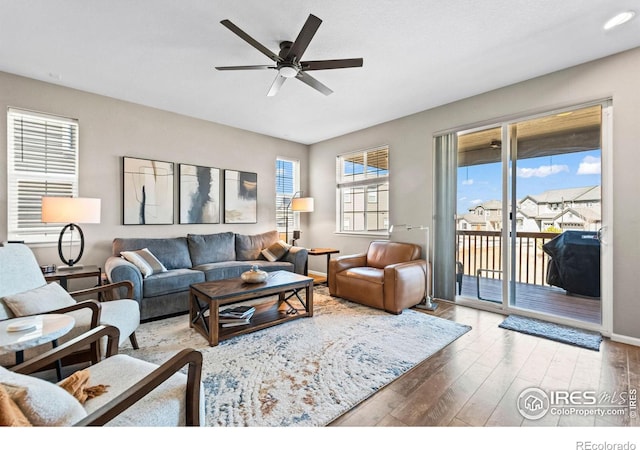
[(404, 285), (298, 257), (342, 263), (118, 269)]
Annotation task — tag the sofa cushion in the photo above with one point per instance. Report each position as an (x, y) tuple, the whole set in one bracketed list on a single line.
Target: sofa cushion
[(171, 281), (248, 247), (39, 300), (276, 251), (211, 248), (173, 253), (145, 261)]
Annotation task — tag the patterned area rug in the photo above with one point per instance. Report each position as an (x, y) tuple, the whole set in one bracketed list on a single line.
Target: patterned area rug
[(561, 333), (305, 372)]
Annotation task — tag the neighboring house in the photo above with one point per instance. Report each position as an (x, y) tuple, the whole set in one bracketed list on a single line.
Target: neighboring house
[(566, 209), (486, 216)]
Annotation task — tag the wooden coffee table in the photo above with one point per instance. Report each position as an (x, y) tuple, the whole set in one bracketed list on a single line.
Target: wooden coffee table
[(211, 295)]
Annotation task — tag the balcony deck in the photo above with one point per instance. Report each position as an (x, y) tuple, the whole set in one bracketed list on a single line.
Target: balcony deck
[(543, 299)]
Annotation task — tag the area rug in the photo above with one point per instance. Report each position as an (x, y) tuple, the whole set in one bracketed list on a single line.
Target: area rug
[(561, 333), (305, 372)]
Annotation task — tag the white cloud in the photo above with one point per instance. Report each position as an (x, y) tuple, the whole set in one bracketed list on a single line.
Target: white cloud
[(476, 201), (467, 182), (542, 171), (590, 165)]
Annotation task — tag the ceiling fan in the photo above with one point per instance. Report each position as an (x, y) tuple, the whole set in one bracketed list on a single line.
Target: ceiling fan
[(288, 61)]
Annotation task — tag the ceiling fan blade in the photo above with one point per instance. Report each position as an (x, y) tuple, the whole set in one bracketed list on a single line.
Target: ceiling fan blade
[(304, 38), (331, 64), (251, 41), (277, 84), (309, 80), (245, 67)]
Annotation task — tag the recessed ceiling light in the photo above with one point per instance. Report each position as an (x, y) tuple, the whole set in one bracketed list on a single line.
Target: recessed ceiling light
[(619, 19)]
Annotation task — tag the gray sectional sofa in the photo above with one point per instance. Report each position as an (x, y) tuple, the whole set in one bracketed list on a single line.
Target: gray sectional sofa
[(193, 259)]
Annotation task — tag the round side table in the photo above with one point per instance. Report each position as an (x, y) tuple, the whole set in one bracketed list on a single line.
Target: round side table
[(16, 335)]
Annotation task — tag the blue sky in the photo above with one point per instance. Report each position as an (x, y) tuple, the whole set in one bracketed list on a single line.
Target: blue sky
[(477, 184)]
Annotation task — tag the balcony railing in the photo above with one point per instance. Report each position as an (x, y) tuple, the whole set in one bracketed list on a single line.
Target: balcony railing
[(482, 250)]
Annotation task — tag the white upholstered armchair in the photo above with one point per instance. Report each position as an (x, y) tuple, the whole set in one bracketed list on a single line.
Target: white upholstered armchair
[(24, 292)]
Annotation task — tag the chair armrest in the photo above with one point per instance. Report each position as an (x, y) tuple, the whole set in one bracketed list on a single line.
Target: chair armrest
[(136, 392), (342, 263), (298, 257), (404, 284), (93, 305), (80, 342), (119, 269), (347, 262), (129, 397), (108, 290)]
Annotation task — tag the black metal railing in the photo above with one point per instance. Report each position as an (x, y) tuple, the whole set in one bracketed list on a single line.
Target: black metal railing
[(482, 251)]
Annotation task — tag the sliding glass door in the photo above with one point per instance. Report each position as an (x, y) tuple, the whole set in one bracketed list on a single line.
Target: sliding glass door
[(529, 215)]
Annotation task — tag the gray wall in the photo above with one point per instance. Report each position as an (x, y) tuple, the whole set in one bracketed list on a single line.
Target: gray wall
[(111, 129), (411, 153)]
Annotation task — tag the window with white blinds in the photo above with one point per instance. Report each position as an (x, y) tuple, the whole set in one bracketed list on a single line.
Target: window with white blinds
[(42, 160), (363, 191), (287, 184)]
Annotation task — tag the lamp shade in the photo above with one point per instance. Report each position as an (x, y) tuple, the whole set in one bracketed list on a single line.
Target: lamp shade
[(302, 204), (70, 210)]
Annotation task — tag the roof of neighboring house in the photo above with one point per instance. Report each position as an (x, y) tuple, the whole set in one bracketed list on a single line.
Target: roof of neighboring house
[(567, 195), (588, 214), (489, 205), (473, 219)]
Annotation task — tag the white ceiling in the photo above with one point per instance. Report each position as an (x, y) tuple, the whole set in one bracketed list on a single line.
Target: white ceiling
[(418, 54)]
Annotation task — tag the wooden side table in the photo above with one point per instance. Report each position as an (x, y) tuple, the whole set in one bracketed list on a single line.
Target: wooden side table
[(63, 276), (320, 252)]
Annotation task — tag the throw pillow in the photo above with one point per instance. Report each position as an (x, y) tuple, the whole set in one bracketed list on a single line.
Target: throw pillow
[(42, 403), (145, 261), (10, 414), (39, 300), (276, 251)]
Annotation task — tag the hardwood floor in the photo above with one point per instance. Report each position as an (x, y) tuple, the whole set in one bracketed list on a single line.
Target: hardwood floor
[(476, 380)]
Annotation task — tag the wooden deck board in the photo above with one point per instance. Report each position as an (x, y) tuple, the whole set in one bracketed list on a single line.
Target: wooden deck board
[(544, 299)]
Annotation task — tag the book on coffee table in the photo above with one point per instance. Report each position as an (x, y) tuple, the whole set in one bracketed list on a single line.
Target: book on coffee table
[(226, 323), (237, 312)]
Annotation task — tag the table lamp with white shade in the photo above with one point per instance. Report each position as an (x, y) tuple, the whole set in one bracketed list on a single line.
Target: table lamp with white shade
[(70, 210), (427, 302)]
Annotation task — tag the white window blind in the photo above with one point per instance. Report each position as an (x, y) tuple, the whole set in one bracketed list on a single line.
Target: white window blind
[(287, 184), (362, 191), (42, 160)]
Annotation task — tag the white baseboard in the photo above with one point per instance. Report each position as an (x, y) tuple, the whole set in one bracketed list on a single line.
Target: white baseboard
[(319, 274), (625, 339)]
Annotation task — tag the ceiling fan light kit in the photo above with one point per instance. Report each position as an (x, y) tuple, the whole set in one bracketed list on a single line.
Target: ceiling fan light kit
[(288, 61)]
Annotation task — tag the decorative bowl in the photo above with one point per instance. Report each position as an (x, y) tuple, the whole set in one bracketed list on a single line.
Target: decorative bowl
[(255, 275)]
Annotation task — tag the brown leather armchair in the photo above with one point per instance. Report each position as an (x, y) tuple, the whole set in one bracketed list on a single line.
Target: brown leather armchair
[(389, 276)]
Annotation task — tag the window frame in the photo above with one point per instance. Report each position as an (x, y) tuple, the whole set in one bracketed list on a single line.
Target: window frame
[(282, 200), (370, 183), (58, 167)]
